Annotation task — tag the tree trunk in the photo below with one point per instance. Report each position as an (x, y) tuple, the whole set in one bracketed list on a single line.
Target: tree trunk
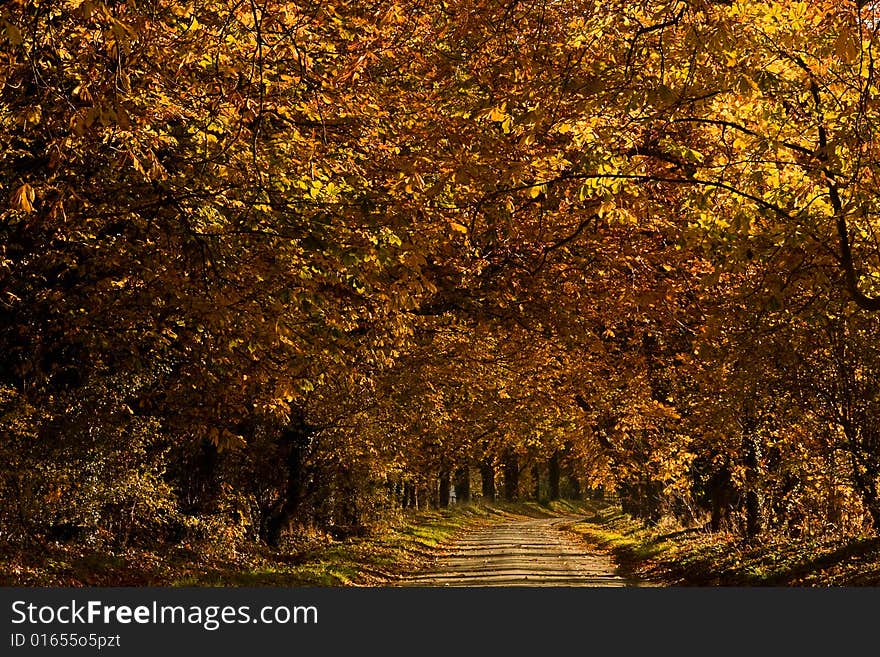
[(348, 509), (511, 476), (833, 500), (536, 482), (409, 495), (201, 485), (392, 488), (424, 496), (294, 440), (863, 450), (574, 483), (754, 502), (720, 496), (443, 501), (463, 484), (487, 477), (874, 511), (553, 477)]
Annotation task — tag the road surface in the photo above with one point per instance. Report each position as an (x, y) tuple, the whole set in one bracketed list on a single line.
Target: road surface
[(522, 552)]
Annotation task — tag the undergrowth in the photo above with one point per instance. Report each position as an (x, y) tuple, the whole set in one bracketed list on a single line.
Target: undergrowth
[(407, 544)]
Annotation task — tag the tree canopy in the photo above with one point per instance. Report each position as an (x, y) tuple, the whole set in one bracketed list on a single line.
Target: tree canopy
[(266, 265)]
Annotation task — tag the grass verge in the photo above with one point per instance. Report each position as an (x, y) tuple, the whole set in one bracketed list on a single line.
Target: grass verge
[(670, 554), (406, 545)]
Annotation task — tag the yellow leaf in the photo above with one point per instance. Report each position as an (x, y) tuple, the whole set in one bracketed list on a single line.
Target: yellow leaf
[(498, 114), (458, 227), (136, 163), (23, 197)]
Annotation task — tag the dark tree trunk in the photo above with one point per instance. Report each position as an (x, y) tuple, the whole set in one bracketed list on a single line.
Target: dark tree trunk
[(863, 448), (409, 495), (487, 477), (445, 482), (553, 477), (432, 496), (511, 476), (201, 484), (720, 496), (834, 499), (641, 499), (574, 483), (628, 499), (874, 512), (348, 508), (536, 482), (754, 502), (294, 441), (463, 484)]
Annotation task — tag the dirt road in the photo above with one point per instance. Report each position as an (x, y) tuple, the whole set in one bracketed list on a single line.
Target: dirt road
[(522, 552)]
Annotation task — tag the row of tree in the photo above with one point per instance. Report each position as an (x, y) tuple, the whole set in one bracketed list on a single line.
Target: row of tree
[(267, 264)]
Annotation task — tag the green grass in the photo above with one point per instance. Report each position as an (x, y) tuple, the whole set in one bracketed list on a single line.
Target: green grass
[(401, 548), (380, 558), (664, 553), (667, 553), (406, 545)]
